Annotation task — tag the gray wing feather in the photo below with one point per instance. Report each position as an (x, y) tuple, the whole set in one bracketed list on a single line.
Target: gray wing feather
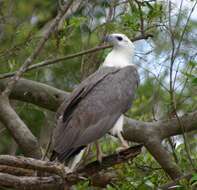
[(94, 107)]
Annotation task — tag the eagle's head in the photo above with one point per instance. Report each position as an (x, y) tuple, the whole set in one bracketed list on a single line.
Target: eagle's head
[(122, 52), (119, 41)]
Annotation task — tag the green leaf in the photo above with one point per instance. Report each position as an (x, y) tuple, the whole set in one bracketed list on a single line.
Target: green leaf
[(194, 81), (194, 178), (192, 63)]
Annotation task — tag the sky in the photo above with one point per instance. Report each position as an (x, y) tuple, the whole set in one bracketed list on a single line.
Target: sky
[(187, 4), (156, 64)]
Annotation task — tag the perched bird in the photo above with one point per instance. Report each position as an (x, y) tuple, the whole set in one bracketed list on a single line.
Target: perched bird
[(97, 105)]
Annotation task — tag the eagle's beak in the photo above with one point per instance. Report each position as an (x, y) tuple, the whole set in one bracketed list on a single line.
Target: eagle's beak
[(108, 38)]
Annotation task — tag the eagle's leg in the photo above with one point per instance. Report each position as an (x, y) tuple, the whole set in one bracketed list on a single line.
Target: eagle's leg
[(117, 132), (86, 153), (124, 143), (99, 153)]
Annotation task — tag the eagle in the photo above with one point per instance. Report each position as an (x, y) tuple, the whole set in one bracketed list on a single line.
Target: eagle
[(97, 104)]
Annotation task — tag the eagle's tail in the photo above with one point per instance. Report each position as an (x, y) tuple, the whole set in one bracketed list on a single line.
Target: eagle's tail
[(54, 155), (66, 155)]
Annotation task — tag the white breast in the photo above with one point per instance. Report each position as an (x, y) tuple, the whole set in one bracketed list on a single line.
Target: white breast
[(118, 59)]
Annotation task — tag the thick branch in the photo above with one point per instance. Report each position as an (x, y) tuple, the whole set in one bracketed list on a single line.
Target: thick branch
[(152, 133), (36, 93), (16, 170), (31, 183), (162, 129), (163, 158), (18, 129), (51, 173), (108, 161), (30, 163), (171, 127), (134, 130)]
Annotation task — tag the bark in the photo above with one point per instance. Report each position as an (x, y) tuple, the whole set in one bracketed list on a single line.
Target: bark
[(163, 157), (31, 183), (19, 131), (29, 173), (36, 93), (33, 164)]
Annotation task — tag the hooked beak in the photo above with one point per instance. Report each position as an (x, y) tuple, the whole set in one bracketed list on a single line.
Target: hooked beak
[(108, 38)]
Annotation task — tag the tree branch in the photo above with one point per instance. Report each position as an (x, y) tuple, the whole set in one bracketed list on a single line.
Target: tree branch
[(31, 183), (134, 130), (36, 93), (108, 161), (20, 132), (175, 182), (171, 127), (37, 50), (162, 129), (30, 163), (22, 172), (67, 57), (163, 157)]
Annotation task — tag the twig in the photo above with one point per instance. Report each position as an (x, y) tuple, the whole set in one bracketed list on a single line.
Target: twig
[(141, 16), (48, 146), (67, 57), (174, 182), (37, 50), (175, 51), (2, 130)]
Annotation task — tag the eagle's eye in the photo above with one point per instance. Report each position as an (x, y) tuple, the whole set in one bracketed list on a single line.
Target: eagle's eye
[(119, 38)]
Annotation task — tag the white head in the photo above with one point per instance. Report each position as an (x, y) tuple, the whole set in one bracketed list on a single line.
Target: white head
[(122, 52)]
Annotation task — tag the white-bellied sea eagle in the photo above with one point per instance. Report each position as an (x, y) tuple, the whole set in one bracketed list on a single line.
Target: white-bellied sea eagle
[(97, 105)]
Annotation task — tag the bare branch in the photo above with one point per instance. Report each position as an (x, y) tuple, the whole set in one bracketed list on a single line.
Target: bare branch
[(163, 157), (20, 132), (174, 53), (108, 161), (30, 163), (14, 170), (31, 183), (171, 127), (36, 93), (67, 57)]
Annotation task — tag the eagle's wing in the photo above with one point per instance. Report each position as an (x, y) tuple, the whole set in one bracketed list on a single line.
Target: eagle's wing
[(93, 108)]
